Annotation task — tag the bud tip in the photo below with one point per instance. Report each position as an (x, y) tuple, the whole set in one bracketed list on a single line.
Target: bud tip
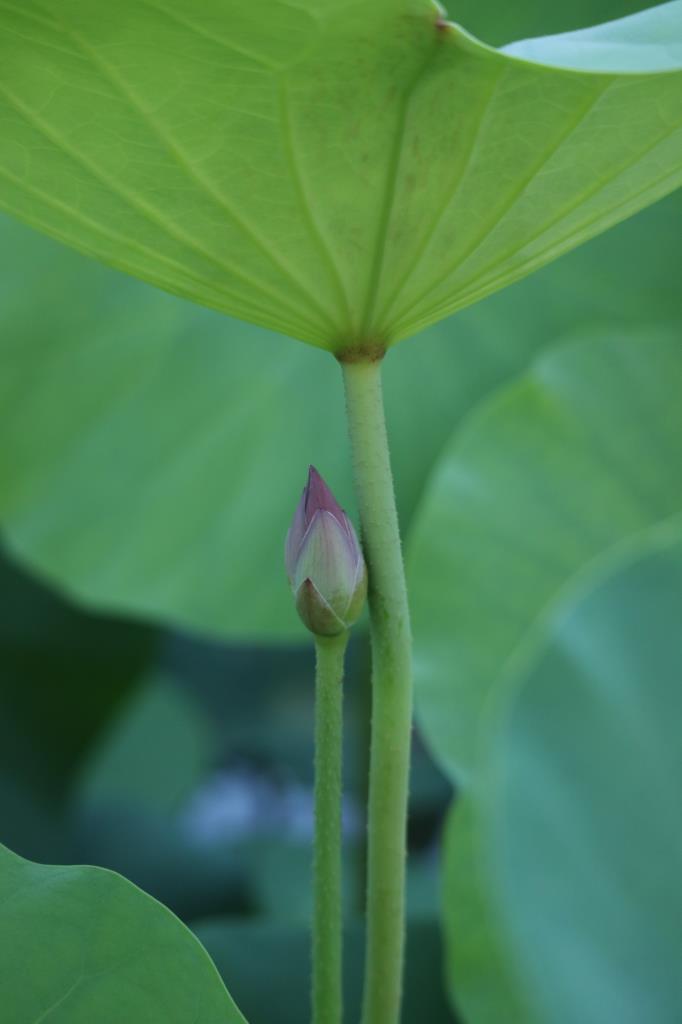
[(324, 561)]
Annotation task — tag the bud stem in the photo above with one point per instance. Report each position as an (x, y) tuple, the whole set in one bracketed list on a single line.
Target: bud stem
[(391, 695), (327, 998)]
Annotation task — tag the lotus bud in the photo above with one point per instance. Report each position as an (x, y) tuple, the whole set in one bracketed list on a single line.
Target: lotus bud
[(324, 562)]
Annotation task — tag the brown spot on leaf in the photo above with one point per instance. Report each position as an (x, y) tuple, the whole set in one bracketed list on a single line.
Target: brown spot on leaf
[(362, 352)]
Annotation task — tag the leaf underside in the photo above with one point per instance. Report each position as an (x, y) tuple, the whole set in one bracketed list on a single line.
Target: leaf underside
[(346, 173)]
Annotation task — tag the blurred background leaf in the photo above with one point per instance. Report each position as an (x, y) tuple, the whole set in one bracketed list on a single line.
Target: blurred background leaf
[(498, 23), (63, 674), (573, 836), (578, 454), (571, 461), (153, 754), (60, 666)]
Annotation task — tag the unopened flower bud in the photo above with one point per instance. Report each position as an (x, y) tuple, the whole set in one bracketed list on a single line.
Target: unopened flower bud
[(324, 562)]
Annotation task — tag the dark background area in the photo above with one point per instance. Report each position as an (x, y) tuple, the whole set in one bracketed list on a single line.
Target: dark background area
[(186, 765)]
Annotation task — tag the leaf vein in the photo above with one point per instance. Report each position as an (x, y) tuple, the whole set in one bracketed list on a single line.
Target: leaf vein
[(314, 228), (512, 199), (151, 256), (22, 12), (452, 193), (573, 237), (59, 1002), (191, 26), (135, 202), (200, 179), (390, 190)]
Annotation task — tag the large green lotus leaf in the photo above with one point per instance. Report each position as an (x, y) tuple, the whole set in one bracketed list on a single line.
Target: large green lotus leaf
[(577, 455), (81, 944), (574, 828), (481, 982), (346, 173)]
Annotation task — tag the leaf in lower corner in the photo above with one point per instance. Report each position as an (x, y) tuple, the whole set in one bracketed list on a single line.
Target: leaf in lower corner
[(80, 944)]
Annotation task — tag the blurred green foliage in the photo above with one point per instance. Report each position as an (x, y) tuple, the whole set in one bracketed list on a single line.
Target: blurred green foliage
[(151, 455), (59, 663), (581, 448), (240, 951), (563, 901)]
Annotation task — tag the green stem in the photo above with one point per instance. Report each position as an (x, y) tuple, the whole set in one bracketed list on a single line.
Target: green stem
[(327, 997), (391, 695)]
